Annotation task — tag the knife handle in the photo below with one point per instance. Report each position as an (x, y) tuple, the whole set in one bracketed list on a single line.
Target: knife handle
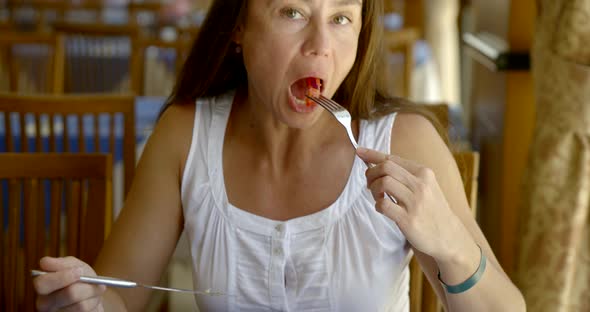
[(98, 280)]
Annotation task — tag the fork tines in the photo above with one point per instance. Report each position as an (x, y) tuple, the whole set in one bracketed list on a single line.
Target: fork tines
[(326, 103)]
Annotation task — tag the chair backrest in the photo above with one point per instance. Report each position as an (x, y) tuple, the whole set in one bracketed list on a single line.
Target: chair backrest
[(402, 42), (145, 13), (32, 62), (101, 58), (412, 11), (41, 14), (55, 124), (34, 13), (160, 60), (56, 205)]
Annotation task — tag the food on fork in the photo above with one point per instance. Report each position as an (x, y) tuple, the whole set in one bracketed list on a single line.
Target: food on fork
[(313, 89)]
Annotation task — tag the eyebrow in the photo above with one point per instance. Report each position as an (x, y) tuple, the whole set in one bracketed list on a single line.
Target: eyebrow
[(348, 2), (339, 2)]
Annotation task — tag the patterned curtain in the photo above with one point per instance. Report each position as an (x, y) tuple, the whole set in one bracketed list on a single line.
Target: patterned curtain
[(554, 265)]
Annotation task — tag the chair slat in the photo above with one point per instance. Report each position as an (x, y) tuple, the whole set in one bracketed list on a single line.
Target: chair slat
[(8, 131), (52, 135), (73, 217), (24, 146), (416, 281), (13, 235), (81, 134), (31, 216), (112, 133), (58, 63), (38, 133), (13, 70), (55, 217), (96, 132), (92, 238), (66, 134), (41, 241)]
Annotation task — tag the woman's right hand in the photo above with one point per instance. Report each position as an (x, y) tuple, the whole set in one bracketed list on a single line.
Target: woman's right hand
[(59, 288)]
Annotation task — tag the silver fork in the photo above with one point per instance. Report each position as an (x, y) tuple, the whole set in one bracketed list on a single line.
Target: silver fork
[(343, 116)]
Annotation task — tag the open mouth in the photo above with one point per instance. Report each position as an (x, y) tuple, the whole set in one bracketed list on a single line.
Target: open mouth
[(309, 86)]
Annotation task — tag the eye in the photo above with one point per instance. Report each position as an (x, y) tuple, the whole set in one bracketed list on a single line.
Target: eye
[(291, 13), (341, 20)]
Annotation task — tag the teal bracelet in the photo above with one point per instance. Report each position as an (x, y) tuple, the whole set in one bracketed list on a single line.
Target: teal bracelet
[(471, 281)]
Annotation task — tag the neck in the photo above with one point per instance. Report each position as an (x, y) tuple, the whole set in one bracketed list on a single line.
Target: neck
[(275, 145)]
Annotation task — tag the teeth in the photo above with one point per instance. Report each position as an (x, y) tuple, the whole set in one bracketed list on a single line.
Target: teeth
[(298, 101)]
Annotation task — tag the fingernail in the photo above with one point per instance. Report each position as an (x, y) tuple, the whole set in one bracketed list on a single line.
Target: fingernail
[(361, 150)]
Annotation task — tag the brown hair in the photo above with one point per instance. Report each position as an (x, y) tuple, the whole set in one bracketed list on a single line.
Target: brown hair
[(213, 68)]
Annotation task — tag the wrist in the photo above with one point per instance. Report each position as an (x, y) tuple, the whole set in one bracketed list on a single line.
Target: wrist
[(471, 281), (459, 264)]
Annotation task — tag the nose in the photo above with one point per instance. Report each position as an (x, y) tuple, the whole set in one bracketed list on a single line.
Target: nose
[(318, 42)]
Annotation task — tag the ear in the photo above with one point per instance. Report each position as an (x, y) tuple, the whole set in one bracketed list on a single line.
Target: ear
[(238, 35)]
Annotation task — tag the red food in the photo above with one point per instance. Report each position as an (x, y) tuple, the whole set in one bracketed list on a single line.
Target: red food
[(314, 86)]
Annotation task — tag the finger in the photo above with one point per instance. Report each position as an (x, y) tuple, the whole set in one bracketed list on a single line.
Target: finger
[(393, 211), (50, 282), (376, 157), (393, 169), (371, 155), (75, 293), (51, 264), (392, 187), (91, 304)]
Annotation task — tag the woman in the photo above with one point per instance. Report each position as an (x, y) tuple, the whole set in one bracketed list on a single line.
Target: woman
[(272, 196)]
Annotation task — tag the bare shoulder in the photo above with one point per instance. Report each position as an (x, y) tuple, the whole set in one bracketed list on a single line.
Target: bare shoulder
[(173, 132), (177, 120), (415, 137)]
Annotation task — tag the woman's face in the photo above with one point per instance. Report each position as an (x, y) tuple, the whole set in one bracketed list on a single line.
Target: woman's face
[(286, 41)]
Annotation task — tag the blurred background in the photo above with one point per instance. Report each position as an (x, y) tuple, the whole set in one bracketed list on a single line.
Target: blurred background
[(508, 79)]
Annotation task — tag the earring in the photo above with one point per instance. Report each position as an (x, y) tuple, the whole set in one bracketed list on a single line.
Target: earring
[(238, 49)]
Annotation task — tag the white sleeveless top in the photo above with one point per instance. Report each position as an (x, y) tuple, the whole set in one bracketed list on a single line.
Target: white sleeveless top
[(346, 257)]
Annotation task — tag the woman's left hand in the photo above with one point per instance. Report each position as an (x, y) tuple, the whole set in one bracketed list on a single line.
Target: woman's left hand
[(422, 213)]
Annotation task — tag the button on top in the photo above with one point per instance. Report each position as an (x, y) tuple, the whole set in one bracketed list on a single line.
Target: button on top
[(279, 227)]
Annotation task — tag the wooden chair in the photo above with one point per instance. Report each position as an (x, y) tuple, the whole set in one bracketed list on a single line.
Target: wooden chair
[(32, 62), (6, 26), (47, 12), (41, 10), (402, 41), (100, 57), (43, 119), (74, 189), (165, 56), (140, 12)]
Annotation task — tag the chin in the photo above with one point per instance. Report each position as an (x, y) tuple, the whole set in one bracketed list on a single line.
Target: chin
[(297, 120)]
